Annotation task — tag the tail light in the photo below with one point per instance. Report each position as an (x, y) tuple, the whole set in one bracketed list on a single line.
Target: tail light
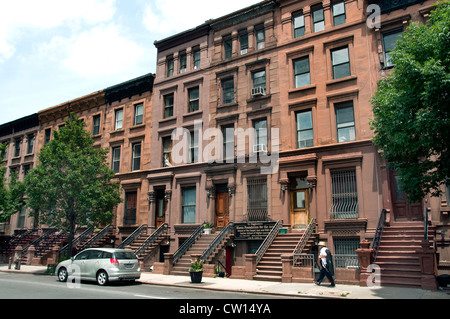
[(114, 262)]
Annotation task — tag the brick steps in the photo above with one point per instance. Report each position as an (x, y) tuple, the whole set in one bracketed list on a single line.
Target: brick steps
[(400, 266)]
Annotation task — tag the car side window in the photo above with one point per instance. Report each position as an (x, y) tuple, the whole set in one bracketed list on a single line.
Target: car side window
[(82, 256), (95, 254), (107, 255)]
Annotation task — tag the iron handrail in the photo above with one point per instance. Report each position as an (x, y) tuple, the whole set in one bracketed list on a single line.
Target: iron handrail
[(130, 239), (151, 239), (187, 244), (76, 241), (379, 232), (268, 241), (49, 243), (216, 242), (304, 240), (97, 237)]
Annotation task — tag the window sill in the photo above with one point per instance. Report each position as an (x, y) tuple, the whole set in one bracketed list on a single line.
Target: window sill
[(167, 120), (259, 98), (227, 105), (192, 114), (303, 88), (341, 80)]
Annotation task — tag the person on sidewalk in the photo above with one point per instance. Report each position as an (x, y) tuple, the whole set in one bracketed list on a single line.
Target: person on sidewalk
[(326, 264)]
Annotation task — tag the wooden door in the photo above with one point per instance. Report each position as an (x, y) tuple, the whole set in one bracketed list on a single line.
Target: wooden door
[(130, 208), (222, 209), (299, 208), (403, 210), (160, 211)]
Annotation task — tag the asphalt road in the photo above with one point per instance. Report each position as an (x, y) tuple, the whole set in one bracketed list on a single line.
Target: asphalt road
[(29, 286)]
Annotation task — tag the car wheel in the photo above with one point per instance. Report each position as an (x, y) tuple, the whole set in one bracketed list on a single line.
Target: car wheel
[(102, 278), (62, 274)]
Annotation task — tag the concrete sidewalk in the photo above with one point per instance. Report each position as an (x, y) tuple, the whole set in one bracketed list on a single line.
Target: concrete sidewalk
[(277, 288)]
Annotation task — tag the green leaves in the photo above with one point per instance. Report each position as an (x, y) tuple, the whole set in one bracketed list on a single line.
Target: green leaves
[(72, 181), (411, 107)]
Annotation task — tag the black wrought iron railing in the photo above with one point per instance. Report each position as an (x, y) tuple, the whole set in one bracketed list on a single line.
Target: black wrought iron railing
[(130, 239), (304, 240), (217, 241), (379, 232), (99, 236), (268, 241), (187, 244), (79, 239), (164, 228)]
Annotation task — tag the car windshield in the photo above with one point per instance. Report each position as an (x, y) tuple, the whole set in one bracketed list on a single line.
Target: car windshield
[(125, 255)]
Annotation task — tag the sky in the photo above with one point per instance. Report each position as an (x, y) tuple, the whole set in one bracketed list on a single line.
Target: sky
[(54, 51)]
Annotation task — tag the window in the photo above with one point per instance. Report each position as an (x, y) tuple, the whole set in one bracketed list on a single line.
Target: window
[(260, 127), (48, 135), (228, 49), (338, 12), (30, 144), (188, 205), (21, 217), (302, 75), (119, 119), (345, 252), (194, 103), (259, 79), (26, 169), (183, 62), (115, 160), (344, 194), (257, 199), (196, 59), (193, 148), (228, 90), (167, 151), (139, 114), (341, 63), (243, 40), (345, 122), (129, 217), (228, 141), (17, 144), (318, 18), (389, 41), (298, 20), (305, 136), (6, 151), (168, 106), (136, 163), (170, 66), (260, 39), (96, 125)]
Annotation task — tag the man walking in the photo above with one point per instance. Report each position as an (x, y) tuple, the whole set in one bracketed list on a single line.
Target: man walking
[(326, 264)]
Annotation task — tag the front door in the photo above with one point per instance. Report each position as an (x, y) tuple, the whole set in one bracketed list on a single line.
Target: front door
[(299, 208), (160, 208), (222, 209), (403, 210)]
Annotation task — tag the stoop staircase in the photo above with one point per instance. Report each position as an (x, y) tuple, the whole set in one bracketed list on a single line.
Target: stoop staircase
[(270, 267), (181, 268), (396, 256)]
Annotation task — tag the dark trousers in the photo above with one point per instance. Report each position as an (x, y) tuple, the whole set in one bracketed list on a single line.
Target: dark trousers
[(324, 272)]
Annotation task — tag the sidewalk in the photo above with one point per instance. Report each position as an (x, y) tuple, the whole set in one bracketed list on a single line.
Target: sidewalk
[(277, 288)]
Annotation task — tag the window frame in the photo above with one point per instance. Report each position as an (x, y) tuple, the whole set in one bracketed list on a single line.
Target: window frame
[(96, 124), (168, 110), (194, 101), (136, 156), (300, 130), (184, 205), (315, 22), (335, 65), (117, 120), (115, 162), (294, 61), (301, 29), (167, 152), (224, 81), (334, 4), (137, 115), (345, 125)]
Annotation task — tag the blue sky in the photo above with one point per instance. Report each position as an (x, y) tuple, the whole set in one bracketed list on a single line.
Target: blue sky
[(53, 51)]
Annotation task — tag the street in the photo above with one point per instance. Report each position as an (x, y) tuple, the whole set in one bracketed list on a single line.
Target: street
[(28, 286)]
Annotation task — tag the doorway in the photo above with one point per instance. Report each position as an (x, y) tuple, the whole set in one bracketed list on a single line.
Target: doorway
[(222, 206), (299, 202), (160, 208), (403, 210)]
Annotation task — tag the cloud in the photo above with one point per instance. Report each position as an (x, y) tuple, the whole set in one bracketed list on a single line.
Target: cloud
[(103, 50), (169, 16), (19, 17)]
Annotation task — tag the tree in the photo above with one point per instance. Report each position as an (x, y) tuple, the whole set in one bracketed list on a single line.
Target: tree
[(72, 185), (412, 105)]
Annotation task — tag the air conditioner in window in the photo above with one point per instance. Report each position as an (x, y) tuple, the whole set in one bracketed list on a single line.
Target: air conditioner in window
[(258, 91), (244, 51), (257, 148)]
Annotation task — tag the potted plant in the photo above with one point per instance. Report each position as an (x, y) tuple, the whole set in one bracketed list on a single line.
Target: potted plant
[(221, 274), (196, 271), (207, 228)]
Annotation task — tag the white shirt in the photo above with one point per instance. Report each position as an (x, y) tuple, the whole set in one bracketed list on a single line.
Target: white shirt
[(323, 255)]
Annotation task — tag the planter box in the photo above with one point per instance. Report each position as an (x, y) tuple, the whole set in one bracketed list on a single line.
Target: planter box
[(196, 276)]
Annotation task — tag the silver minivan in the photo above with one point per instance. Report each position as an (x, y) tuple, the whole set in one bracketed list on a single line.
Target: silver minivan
[(102, 265)]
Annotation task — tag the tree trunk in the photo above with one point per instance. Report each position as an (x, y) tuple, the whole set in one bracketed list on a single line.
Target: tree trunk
[(72, 224)]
